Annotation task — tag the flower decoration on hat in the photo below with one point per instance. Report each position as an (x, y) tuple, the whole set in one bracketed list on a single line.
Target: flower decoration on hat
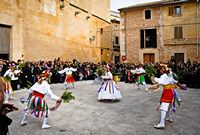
[(69, 65), (45, 75), (164, 68), (107, 67)]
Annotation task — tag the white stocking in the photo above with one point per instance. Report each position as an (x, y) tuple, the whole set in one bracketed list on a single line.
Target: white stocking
[(162, 117), (24, 122), (65, 85), (169, 113), (6, 97), (45, 120), (145, 85)]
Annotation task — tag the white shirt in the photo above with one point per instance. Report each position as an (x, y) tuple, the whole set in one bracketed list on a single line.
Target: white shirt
[(138, 71), (67, 71), (12, 74), (165, 79), (43, 88), (108, 75), (141, 70)]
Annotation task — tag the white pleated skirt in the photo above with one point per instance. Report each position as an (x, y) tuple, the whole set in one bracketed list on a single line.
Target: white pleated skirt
[(109, 90)]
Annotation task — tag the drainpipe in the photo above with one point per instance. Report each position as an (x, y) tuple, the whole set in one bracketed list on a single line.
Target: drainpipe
[(197, 28)]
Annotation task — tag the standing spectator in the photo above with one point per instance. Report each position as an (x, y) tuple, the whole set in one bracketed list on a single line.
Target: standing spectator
[(173, 59)]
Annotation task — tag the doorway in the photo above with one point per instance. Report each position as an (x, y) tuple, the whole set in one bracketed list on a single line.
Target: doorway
[(4, 41), (179, 57), (149, 57)]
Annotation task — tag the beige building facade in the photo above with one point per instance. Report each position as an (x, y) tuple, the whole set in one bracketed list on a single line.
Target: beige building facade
[(47, 29), (153, 32)]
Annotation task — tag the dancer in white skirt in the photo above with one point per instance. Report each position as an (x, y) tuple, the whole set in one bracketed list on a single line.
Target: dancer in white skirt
[(109, 89)]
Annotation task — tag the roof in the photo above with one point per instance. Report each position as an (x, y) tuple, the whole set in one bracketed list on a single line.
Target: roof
[(155, 4)]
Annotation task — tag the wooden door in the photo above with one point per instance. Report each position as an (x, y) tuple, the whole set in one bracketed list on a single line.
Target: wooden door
[(4, 42), (179, 57), (149, 58)]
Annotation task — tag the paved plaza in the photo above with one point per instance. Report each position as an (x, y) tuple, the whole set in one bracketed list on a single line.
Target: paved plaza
[(134, 114)]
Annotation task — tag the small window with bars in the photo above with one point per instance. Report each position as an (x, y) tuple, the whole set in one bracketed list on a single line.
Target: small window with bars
[(178, 32), (175, 11)]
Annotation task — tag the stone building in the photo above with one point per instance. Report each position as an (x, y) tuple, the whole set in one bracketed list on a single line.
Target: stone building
[(155, 31), (47, 29), (115, 32)]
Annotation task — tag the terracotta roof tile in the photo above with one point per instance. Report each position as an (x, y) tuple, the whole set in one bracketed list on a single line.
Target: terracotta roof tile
[(155, 4)]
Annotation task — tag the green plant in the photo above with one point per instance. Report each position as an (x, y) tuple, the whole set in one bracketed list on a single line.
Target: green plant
[(28, 84), (180, 74), (67, 96), (21, 66), (100, 71), (115, 73), (8, 78), (150, 70)]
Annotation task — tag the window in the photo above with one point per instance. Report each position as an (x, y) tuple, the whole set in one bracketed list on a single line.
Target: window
[(178, 33), (116, 48), (171, 11), (142, 38), (147, 14), (101, 51), (175, 11), (116, 40), (148, 38), (101, 30)]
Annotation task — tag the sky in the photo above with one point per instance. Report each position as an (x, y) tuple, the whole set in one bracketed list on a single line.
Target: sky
[(116, 4)]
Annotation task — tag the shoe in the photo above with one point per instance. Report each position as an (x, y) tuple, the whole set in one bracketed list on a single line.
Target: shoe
[(45, 126), (11, 98), (159, 126), (24, 123), (170, 120), (6, 102)]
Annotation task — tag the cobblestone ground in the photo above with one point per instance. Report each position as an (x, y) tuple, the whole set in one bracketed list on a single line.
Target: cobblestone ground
[(134, 114)]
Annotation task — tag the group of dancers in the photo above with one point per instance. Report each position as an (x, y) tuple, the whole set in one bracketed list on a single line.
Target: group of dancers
[(109, 90)]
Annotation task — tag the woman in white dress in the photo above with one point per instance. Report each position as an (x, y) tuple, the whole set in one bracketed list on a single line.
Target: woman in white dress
[(109, 90)]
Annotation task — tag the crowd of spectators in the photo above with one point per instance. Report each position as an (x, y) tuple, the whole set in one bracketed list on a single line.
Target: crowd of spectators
[(187, 73)]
